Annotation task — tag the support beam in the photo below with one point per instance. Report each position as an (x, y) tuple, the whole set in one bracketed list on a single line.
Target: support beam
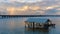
[(33, 25)]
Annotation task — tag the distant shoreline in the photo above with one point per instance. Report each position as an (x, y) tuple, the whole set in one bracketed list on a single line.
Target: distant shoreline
[(29, 15)]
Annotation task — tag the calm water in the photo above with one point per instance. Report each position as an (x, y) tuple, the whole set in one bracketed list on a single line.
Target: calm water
[(16, 26)]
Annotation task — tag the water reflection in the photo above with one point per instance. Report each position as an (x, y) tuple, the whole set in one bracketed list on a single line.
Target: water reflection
[(11, 26), (36, 31), (16, 26)]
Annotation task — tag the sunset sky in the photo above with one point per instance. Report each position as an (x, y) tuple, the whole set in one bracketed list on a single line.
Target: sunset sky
[(29, 7)]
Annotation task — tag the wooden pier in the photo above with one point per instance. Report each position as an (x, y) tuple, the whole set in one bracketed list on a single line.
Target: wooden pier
[(36, 23)]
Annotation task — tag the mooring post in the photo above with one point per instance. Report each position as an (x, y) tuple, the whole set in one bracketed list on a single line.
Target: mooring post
[(28, 26), (25, 25), (33, 25)]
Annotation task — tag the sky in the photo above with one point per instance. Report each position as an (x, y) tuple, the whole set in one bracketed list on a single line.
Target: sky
[(28, 1), (29, 7)]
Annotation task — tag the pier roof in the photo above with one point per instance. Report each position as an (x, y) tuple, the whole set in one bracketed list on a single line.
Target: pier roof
[(37, 20)]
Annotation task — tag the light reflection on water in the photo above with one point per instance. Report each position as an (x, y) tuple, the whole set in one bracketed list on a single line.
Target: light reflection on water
[(16, 26)]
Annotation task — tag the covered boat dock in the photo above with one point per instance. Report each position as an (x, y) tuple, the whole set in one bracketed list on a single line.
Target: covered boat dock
[(37, 23)]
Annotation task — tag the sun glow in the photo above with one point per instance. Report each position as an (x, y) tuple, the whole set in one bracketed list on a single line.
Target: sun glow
[(24, 8), (34, 7), (11, 10)]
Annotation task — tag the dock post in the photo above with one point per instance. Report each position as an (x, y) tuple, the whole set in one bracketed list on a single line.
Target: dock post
[(33, 25), (28, 26), (25, 25)]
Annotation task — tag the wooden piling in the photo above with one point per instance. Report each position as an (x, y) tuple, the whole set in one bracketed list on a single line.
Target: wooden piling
[(33, 25)]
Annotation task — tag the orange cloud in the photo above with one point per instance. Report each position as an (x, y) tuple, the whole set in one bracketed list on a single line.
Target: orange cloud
[(11, 10), (24, 8), (34, 7)]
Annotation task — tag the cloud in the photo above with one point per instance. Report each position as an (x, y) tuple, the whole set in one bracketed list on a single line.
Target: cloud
[(51, 7), (23, 9), (36, 7), (23, 1), (58, 9), (58, 13), (29, 1)]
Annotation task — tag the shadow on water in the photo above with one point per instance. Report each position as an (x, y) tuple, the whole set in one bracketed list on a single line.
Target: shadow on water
[(36, 31)]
